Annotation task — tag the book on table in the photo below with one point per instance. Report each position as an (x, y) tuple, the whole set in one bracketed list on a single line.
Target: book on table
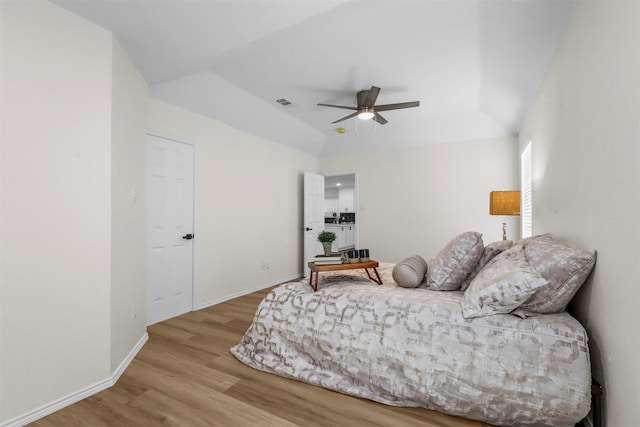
[(327, 259)]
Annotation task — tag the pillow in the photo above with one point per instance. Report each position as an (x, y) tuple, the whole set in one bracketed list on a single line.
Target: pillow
[(490, 251), (564, 267), (410, 272), (502, 286), (454, 263)]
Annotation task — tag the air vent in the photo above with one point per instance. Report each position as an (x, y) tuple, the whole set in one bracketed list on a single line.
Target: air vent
[(284, 102)]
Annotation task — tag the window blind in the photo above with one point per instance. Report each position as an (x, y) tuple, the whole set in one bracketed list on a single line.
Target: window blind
[(526, 207)]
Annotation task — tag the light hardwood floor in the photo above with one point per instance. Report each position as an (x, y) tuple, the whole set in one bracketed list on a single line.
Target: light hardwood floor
[(186, 376)]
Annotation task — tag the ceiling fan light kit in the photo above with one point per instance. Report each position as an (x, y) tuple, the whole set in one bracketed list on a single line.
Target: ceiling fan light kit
[(366, 108), (365, 114)]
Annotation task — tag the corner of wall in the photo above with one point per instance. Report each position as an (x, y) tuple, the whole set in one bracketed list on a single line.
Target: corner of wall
[(128, 208)]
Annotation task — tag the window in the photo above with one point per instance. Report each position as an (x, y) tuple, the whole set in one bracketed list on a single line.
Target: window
[(526, 205)]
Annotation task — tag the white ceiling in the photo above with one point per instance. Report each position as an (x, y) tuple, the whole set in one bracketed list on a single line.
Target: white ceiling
[(474, 65)]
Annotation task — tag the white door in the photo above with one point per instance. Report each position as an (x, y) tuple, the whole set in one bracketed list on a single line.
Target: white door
[(313, 217), (169, 228)]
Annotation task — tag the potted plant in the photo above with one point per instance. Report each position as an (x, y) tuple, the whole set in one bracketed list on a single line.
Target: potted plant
[(326, 238)]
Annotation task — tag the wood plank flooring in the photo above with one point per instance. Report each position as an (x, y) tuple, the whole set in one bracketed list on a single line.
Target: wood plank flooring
[(186, 376)]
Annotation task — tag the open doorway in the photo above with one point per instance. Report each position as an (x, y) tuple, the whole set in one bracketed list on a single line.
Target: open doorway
[(320, 207), (341, 209)]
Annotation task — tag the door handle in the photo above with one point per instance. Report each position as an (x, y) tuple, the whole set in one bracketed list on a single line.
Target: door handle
[(188, 236), (308, 229)]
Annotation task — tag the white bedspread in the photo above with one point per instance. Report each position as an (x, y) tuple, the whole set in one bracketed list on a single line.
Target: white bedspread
[(412, 347)]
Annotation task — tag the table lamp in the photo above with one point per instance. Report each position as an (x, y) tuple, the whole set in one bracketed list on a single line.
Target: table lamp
[(504, 203)]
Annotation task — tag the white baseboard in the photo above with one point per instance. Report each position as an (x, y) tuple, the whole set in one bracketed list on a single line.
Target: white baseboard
[(77, 396), (246, 291), (115, 376)]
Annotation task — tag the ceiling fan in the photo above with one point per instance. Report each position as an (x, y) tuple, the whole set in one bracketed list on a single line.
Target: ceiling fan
[(367, 109)]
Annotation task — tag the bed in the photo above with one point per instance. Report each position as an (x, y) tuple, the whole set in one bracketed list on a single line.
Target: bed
[(416, 346)]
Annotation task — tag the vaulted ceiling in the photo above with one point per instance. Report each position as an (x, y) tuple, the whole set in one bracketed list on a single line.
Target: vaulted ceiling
[(474, 65)]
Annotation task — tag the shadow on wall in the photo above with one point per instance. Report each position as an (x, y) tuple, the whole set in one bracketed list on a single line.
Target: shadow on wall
[(579, 307)]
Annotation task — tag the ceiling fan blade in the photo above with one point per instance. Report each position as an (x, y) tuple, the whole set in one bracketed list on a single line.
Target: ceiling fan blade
[(372, 95), (345, 118), (378, 118), (339, 106), (398, 106)]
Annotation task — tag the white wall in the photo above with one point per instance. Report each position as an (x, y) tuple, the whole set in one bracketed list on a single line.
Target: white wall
[(72, 268), (55, 227), (413, 201), (248, 208), (128, 217), (585, 128)]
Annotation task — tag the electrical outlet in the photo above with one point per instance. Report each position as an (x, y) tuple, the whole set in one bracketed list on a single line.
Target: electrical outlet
[(264, 266), (133, 311)]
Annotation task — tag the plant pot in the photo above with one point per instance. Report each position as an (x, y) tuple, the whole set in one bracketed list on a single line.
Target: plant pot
[(327, 247)]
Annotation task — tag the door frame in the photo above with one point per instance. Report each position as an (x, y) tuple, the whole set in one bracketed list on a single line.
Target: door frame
[(356, 198)]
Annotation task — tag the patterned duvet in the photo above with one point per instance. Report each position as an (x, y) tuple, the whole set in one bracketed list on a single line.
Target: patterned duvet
[(412, 347)]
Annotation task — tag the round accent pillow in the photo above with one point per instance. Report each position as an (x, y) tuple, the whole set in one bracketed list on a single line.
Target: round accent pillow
[(410, 272)]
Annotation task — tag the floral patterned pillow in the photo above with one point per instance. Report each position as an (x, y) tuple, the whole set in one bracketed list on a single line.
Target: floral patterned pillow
[(502, 285), (453, 264), (564, 267)]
